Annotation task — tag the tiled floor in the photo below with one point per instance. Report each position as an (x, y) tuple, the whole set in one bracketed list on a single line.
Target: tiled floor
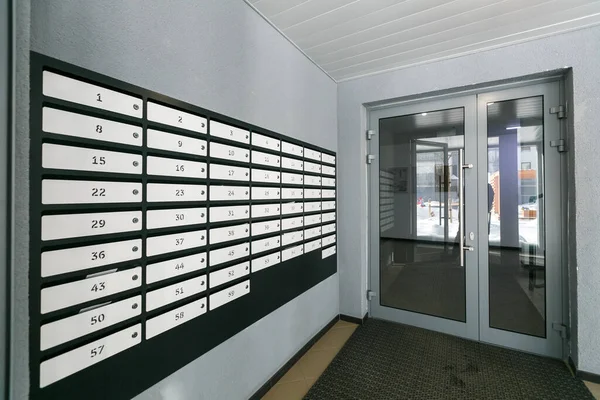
[(594, 388), (295, 384)]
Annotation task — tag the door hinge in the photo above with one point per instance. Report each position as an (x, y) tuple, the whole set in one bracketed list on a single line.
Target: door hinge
[(370, 295), (562, 329), (370, 134), (560, 145), (370, 158), (560, 111)]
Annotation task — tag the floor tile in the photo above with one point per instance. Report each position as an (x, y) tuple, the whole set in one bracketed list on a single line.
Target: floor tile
[(287, 391), (343, 324), (594, 388), (294, 374), (315, 362)]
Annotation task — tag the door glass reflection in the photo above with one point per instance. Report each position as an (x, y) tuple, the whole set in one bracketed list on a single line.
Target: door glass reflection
[(419, 220), (517, 264)]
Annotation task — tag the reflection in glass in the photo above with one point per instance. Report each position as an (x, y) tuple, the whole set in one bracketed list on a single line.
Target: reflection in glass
[(517, 266), (419, 265)]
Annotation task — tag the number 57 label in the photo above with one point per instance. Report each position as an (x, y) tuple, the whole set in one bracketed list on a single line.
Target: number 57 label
[(66, 364)]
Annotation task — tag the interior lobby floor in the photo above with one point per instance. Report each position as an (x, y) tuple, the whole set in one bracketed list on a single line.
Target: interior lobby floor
[(385, 360), (300, 378)]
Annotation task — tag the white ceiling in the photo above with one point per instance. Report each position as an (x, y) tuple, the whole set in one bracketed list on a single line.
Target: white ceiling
[(352, 38)]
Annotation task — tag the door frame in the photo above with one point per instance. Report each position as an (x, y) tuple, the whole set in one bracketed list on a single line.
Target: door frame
[(551, 345), (554, 345), (470, 328)]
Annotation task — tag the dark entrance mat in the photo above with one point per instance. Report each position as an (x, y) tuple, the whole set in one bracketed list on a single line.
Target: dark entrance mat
[(384, 360)]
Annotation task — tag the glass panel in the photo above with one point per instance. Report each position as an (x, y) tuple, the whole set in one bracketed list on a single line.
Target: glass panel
[(419, 257), (517, 265)]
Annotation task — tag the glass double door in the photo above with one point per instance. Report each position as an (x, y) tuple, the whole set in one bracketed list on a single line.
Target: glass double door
[(465, 209)]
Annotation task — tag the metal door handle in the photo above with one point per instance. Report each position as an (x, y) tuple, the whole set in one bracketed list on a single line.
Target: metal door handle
[(461, 203)]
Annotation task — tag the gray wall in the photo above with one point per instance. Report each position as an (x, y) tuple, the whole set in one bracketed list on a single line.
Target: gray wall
[(217, 54), (578, 49), (5, 110)]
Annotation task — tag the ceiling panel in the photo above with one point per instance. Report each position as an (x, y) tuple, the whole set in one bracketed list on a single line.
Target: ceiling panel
[(352, 38)]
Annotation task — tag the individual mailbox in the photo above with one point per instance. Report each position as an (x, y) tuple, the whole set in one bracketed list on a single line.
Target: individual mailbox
[(175, 292), (176, 143), (177, 118)]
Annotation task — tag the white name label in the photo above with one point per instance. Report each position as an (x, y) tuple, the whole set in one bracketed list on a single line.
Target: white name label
[(328, 229), (229, 294), (229, 192), (292, 252), (312, 154), (75, 91), (230, 253), (260, 246), (267, 261), (176, 217), (175, 267), (260, 158), (312, 167), (175, 242), (263, 228), (82, 324), (328, 217), (229, 233), (289, 193), (311, 233), (172, 293), (265, 142), (232, 153), (55, 156), (312, 219), (229, 173), (177, 143), (292, 149), (66, 364), (327, 240), (80, 258), (265, 210), (291, 208), (161, 166), (173, 117), (292, 163), (312, 180), (328, 205), (326, 158), (312, 206), (164, 192), (78, 225), (266, 176), (325, 170), (293, 179), (69, 294), (330, 182), (228, 274), (328, 193), (56, 191), (310, 246), (230, 213), (312, 193), (265, 193), (291, 223), (77, 125), (171, 319), (291, 237), (225, 131), (328, 252)]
